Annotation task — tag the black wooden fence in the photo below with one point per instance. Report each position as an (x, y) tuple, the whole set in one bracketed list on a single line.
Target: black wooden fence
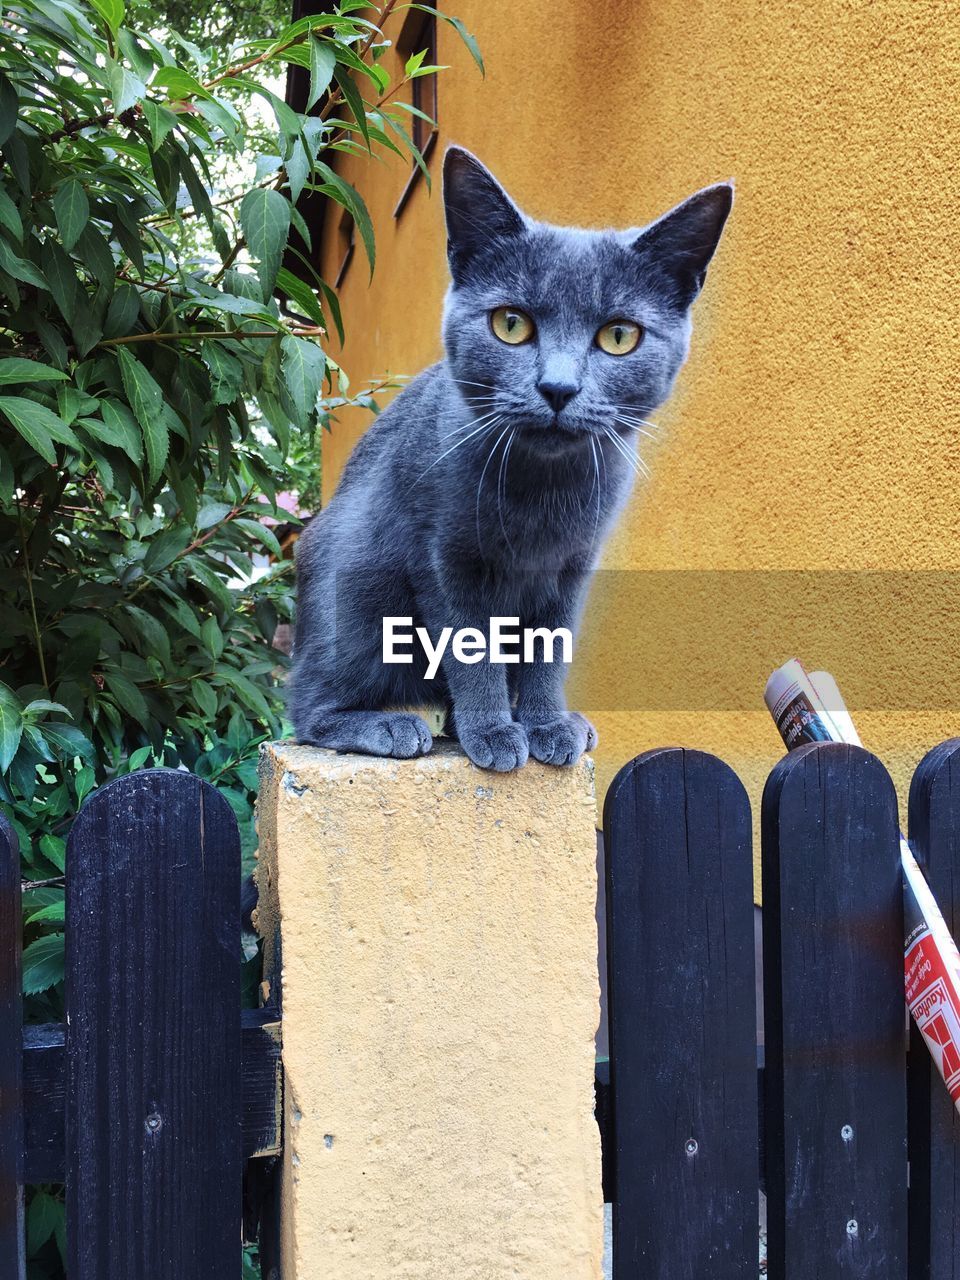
[(149, 1099), (846, 1196), (160, 1101)]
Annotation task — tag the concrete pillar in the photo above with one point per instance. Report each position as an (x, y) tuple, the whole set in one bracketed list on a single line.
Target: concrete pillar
[(440, 999)]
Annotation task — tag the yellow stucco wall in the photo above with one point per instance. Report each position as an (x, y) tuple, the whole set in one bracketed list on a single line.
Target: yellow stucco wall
[(815, 424), (440, 1000)]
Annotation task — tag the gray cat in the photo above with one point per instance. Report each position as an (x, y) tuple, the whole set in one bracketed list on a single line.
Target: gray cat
[(488, 486)]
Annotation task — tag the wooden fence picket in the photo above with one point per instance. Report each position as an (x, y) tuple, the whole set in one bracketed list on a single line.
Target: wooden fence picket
[(682, 1019), (153, 1057), (11, 1060), (836, 1160), (934, 1125)]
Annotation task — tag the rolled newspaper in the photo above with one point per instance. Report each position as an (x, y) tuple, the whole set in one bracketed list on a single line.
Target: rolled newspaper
[(807, 707)]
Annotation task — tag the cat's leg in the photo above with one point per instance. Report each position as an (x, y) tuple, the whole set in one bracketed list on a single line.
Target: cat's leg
[(399, 734), (482, 719), (556, 736), (340, 686)]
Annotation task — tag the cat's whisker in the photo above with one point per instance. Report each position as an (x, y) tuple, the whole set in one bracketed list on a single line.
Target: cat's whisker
[(633, 420), (596, 481), (487, 426), (496, 445), (502, 488), (631, 413), (455, 431), (487, 413), (639, 430), (633, 459)]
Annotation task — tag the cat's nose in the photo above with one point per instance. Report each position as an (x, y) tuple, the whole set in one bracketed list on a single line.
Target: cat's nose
[(556, 393)]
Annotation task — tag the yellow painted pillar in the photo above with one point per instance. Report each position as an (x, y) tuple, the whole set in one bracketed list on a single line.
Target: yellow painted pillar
[(440, 999)]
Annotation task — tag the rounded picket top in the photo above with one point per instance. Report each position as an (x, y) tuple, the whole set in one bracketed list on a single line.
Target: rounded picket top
[(648, 768), (833, 761), (937, 774)]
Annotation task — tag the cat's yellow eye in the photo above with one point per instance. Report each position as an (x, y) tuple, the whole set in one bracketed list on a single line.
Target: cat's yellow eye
[(511, 325), (619, 337)]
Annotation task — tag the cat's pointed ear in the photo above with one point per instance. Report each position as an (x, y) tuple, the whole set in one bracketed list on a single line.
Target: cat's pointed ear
[(683, 241), (478, 209)]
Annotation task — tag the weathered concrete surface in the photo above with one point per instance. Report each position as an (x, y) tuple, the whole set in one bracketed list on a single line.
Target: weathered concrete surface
[(440, 1000)]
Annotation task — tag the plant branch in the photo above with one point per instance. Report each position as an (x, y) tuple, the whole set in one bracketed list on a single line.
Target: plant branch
[(28, 574), (311, 331)]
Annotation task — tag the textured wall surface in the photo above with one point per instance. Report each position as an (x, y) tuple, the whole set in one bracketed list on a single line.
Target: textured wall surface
[(815, 425), (440, 1001)]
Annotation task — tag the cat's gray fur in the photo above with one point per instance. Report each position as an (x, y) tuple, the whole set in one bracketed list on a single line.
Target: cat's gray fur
[(471, 496)]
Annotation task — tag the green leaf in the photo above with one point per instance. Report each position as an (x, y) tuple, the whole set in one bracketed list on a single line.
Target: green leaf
[(128, 696), (42, 1217), (226, 372), (53, 913), (323, 61), (304, 366), (298, 170), (18, 369), (84, 782), (62, 279), (123, 429), (43, 964), (9, 106), (68, 740), (11, 726), (38, 705), (333, 302), (153, 639), (354, 101), (123, 312), (351, 200), (20, 268), (245, 689), (179, 84), (146, 400), (262, 533), (72, 209), (7, 482), (212, 637), (94, 251), (138, 759), (160, 120), (212, 513), (112, 12), (299, 291), (265, 219), (205, 697), (469, 40), (10, 216), (38, 426), (165, 548), (54, 850)]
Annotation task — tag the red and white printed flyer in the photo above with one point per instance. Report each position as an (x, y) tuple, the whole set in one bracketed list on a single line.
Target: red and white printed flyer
[(807, 707)]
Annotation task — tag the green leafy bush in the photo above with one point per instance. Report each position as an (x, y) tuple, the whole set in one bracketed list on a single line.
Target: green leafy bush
[(162, 377)]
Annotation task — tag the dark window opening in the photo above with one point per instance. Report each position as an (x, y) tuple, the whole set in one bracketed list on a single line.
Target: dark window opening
[(419, 35)]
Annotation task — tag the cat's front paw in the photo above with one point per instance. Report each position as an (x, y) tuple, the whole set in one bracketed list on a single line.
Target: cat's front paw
[(562, 741), (501, 747)]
